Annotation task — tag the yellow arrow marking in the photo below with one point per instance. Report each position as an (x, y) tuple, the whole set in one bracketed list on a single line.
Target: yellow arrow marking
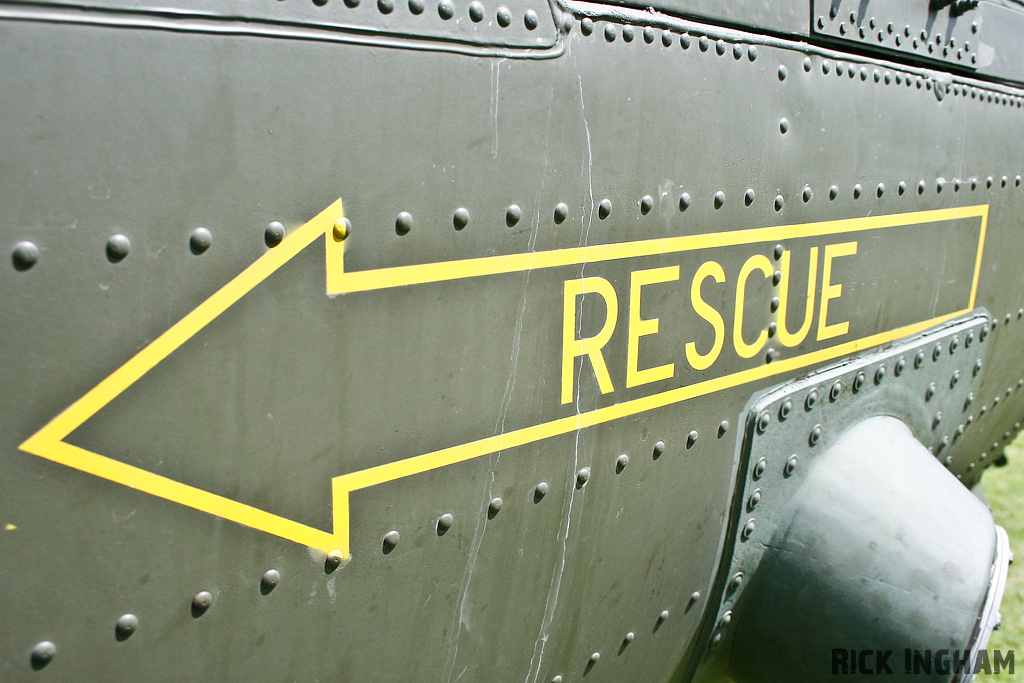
[(49, 441)]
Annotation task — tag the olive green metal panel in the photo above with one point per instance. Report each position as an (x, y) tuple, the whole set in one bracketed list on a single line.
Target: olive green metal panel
[(151, 131)]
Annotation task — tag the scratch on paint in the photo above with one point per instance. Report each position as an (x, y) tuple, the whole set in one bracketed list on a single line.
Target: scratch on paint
[(551, 603)]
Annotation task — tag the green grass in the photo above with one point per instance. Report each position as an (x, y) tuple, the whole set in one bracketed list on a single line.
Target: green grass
[(1003, 487)]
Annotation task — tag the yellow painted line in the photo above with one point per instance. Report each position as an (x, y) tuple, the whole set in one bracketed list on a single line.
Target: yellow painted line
[(49, 442), (340, 282)]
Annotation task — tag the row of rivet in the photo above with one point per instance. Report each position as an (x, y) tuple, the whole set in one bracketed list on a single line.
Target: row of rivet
[(446, 10), (595, 657), (127, 624), (26, 253), (983, 458), (907, 79), (447, 520), (917, 41)]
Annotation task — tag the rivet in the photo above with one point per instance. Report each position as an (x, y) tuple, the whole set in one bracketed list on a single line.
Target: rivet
[(776, 278), (783, 72), (763, 420), (833, 192), (748, 529), (1003, 181), (118, 247), (333, 560), (881, 190), (840, 69), (974, 183), (504, 17), (460, 218), (391, 540), (684, 201), (125, 626), (826, 66), (900, 365), (561, 212), (609, 33), (863, 72), (595, 658), (929, 393), (752, 53), (736, 582), (556, 679), (968, 401), (901, 188), (778, 251), (582, 477), (494, 507), (888, 77), (703, 43), (921, 187), (42, 654), (417, 6), (200, 240), (956, 184), (604, 209), (969, 339), (719, 199), (446, 9), (790, 467), (512, 215), (771, 354), (807, 61), (879, 374), (663, 616), (684, 41), (812, 399), (977, 367), (857, 190), (779, 201), (720, 47), (351, 4), (587, 26), (919, 360), (836, 390), (403, 224), (659, 449), (385, 6), (201, 602), (872, 22), (666, 38), (877, 76), (936, 351), (627, 34), (621, 462), (774, 305), (444, 523), (539, 491), (691, 438), (937, 420), (807, 194), (269, 581), (24, 255), (648, 34), (476, 11), (759, 468), (785, 409), (748, 196), (988, 182), (858, 381), (629, 638), (646, 204), (815, 436), (723, 427), (983, 333), (754, 500), (530, 20)]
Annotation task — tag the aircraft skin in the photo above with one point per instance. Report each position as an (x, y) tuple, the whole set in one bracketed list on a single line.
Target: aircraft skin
[(451, 341)]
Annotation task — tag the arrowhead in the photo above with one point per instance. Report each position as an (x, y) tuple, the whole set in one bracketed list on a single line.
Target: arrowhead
[(51, 443)]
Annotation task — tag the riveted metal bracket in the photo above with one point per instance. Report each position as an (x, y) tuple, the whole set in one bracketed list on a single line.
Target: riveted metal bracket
[(949, 35), (925, 381)]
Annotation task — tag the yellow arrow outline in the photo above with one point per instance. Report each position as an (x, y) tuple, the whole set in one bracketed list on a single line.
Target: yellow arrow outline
[(49, 442)]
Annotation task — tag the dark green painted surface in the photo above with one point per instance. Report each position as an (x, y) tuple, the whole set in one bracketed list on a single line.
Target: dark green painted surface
[(151, 125)]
